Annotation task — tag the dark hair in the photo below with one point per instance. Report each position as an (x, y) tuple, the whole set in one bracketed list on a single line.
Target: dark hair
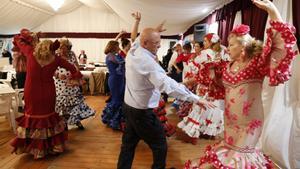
[(187, 46), (124, 42), (200, 44), (112, 46)]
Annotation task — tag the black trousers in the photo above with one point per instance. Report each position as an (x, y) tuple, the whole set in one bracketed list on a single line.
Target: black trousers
[(21, 78), (142, 125)]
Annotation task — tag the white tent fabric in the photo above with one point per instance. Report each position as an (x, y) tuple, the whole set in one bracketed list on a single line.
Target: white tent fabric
[(178, 14), (16, 14), (280, 138), (85, 19)]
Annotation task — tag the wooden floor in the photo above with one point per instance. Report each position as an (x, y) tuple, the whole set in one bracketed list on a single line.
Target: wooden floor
[(96, 147)]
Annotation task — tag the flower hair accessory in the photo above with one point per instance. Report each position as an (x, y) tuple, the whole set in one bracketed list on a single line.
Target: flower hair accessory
[(212, 37), (54, 46), (241, 30), (25, 35)]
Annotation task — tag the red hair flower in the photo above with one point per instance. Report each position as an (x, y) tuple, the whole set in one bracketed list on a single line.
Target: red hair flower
[(25, 36), (212, 37), (241, 30)]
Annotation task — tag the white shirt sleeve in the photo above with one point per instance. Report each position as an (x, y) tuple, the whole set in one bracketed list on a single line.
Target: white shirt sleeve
[(161, 81)]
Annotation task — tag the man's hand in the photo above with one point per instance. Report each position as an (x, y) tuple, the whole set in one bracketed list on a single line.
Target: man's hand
[(160, 27), (206, 104)]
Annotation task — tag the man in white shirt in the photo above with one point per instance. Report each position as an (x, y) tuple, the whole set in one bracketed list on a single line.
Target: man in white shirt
[(145, 80)]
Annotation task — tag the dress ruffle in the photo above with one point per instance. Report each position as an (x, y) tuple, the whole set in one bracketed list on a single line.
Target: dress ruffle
[(39, 122), (212, 122), (199, 121), (66, 101), (184, 109), (190, 124), (282, 63), (217, 155), (161, 114), (80, 112), (41, 133), (113, 117), (39, 148), (40, 141), (74, 108)]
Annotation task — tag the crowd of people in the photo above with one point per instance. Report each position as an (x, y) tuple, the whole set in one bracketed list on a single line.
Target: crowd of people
[(217, 91)]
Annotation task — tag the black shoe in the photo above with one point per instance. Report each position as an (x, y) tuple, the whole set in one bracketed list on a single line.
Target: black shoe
[(20, 109), (108, 100), (80, 126)]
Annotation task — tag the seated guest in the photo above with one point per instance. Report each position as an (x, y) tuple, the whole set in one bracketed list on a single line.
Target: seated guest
[(7, 54), (82, 57), (19, 63)]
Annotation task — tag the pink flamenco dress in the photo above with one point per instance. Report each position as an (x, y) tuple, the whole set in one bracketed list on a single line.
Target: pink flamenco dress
[(243, 116), (41, 131)]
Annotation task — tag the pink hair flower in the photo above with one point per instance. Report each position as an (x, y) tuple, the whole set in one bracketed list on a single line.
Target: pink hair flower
[(241, 30)]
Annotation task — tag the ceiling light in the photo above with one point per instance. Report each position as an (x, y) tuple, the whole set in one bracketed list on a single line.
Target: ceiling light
[(204, 10), (55, 4)]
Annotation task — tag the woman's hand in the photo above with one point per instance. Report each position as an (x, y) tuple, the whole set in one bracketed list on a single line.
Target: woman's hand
[(269, 7), (136, 16), (189, 82), (62, 77), (122, 32), (73, 82)]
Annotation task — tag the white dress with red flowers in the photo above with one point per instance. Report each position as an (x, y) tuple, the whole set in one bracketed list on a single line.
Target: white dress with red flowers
[(200, 121), (243, 104)]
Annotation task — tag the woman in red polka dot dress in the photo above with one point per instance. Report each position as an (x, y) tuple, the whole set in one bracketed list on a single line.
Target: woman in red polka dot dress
[(242, 79)]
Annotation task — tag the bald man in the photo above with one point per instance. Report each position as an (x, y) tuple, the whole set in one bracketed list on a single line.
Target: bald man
[(145, 80)]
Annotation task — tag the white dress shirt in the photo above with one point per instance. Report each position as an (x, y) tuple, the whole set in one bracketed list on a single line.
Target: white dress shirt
[(145, 80)]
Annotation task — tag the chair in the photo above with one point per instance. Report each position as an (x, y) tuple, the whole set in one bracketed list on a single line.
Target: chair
[(20, 98), (7, 108)]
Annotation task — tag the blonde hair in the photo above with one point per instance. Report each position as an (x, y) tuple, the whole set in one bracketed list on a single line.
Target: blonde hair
[(65, 42), (43, 50), (252, 46)]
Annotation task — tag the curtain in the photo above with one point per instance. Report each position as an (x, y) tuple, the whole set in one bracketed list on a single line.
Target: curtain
[(225, 26), (238, 19), (296, 19), (255, 18), (226, 17)]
